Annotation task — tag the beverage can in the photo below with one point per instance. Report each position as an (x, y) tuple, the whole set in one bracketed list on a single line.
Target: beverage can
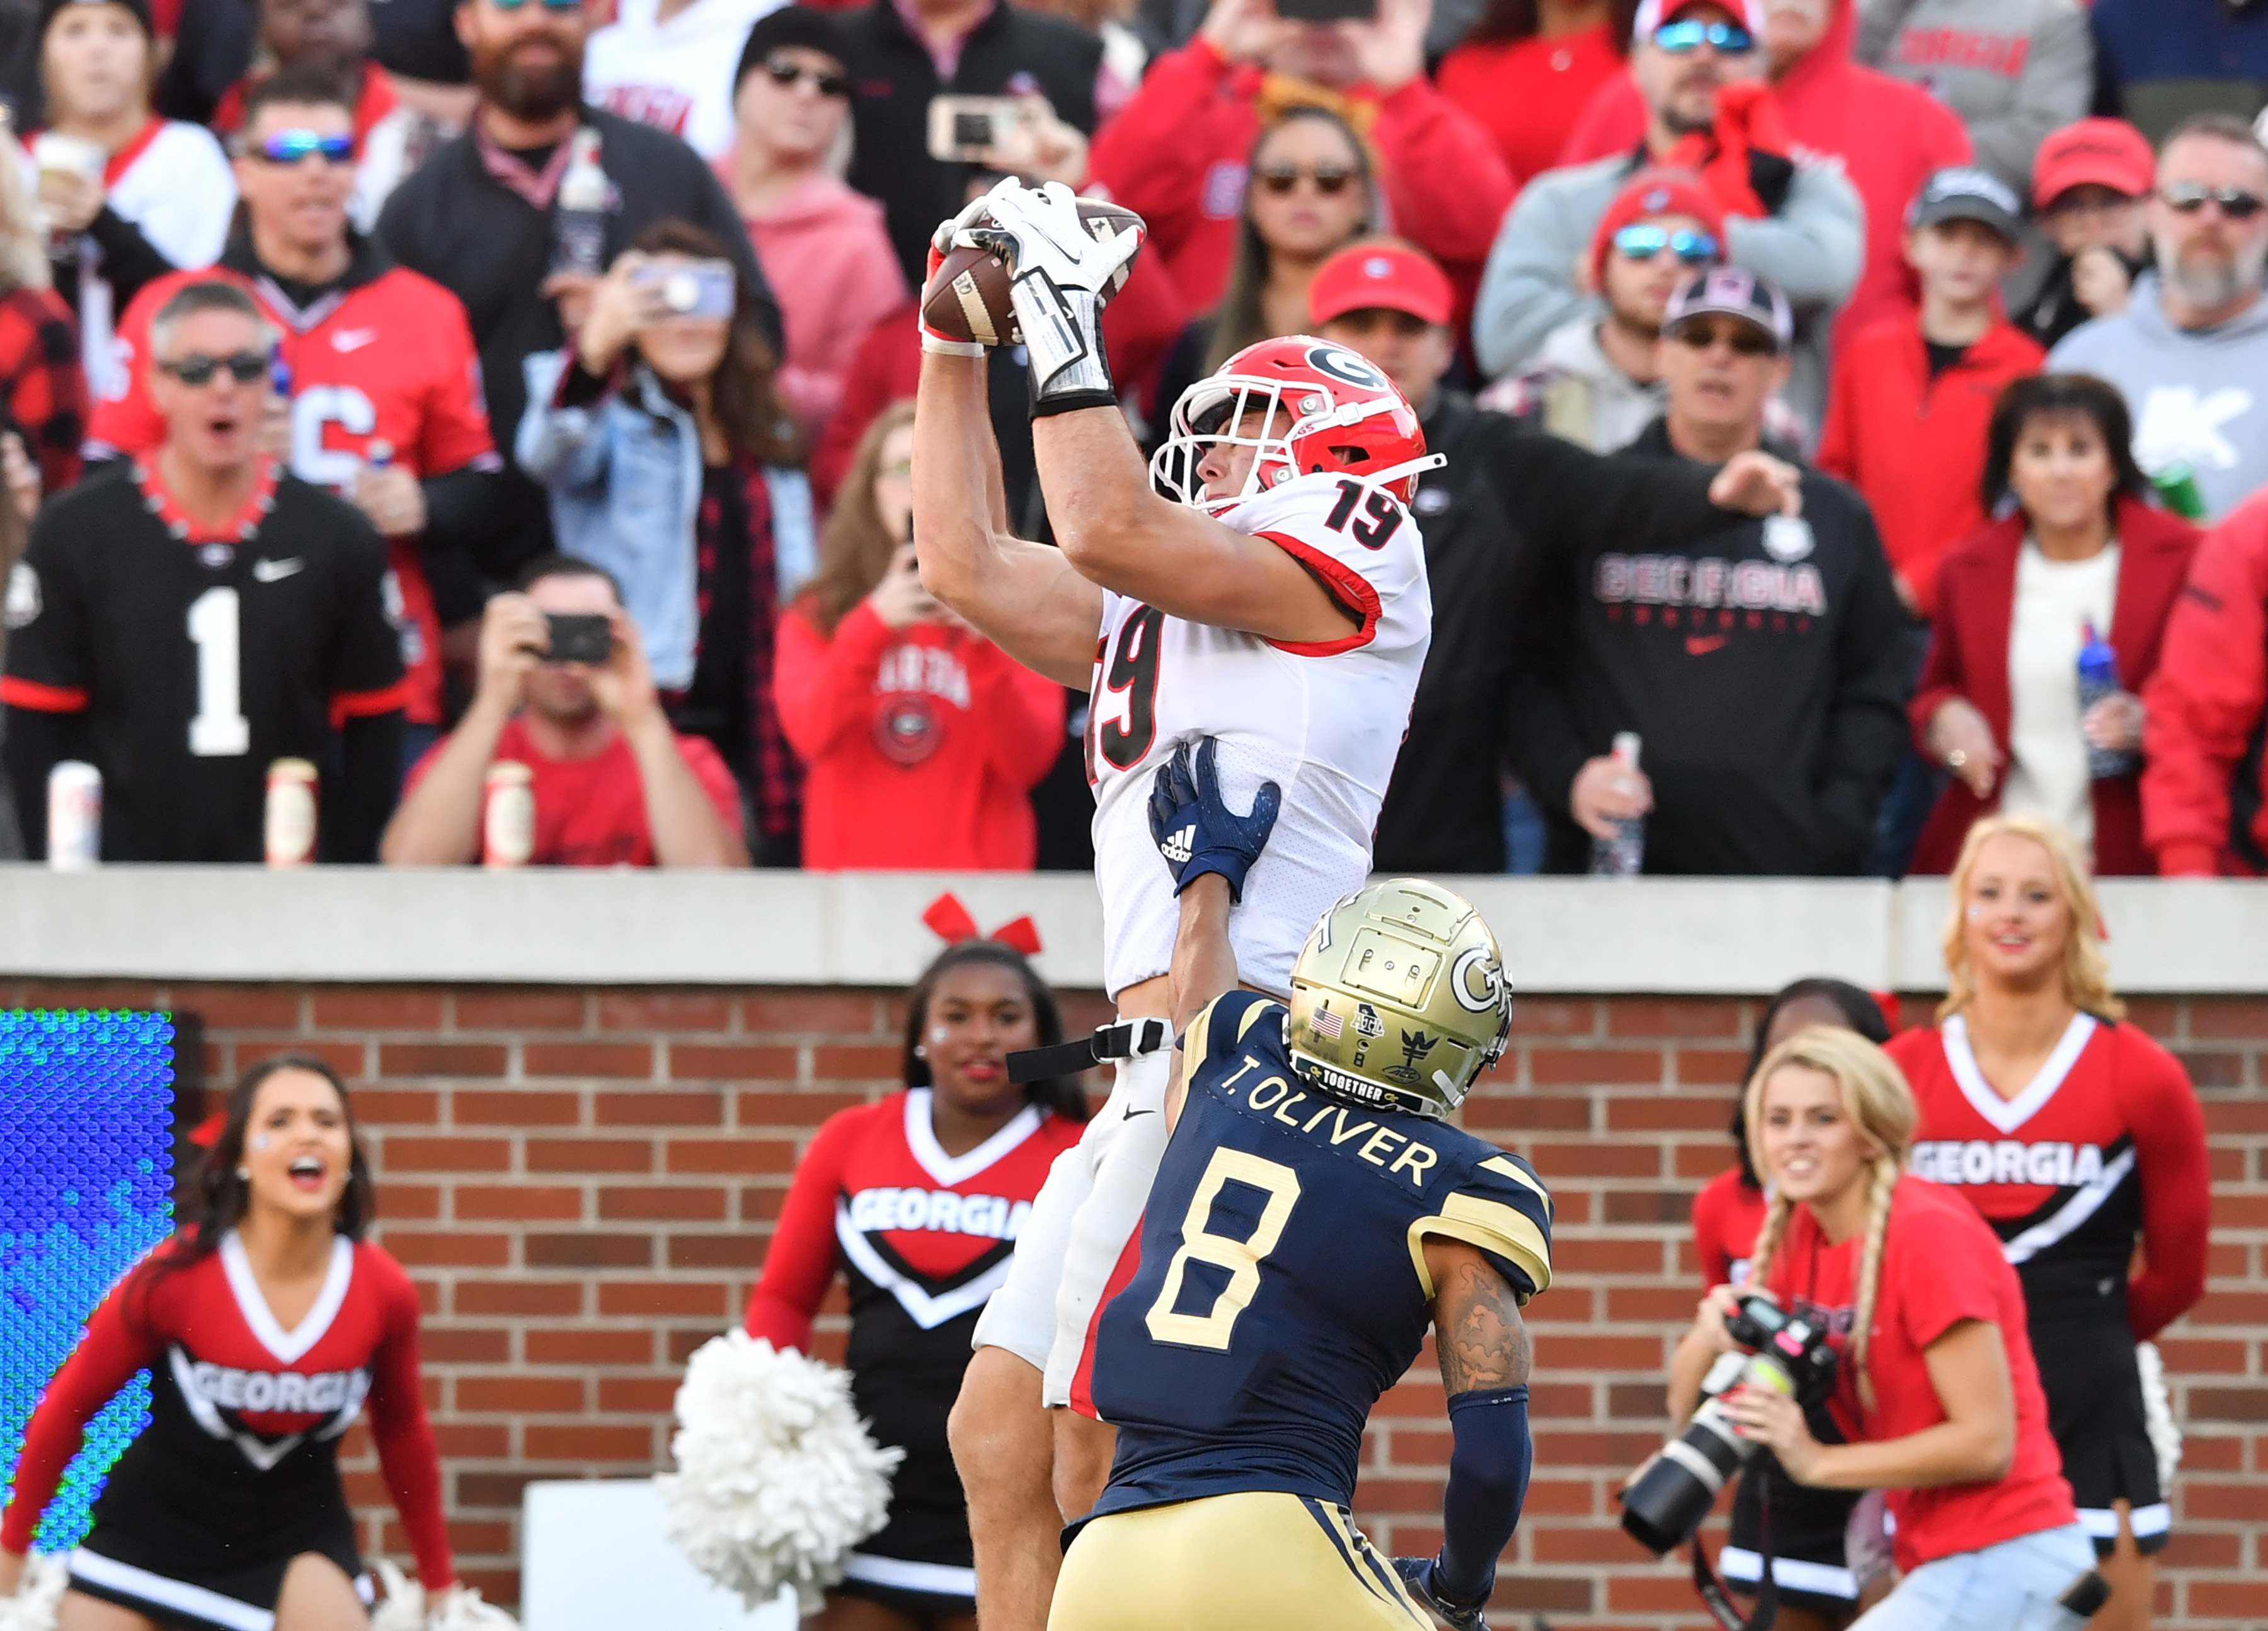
[(2178, 488), (74, 816), (291, 813), (578, 215), (508, 815)]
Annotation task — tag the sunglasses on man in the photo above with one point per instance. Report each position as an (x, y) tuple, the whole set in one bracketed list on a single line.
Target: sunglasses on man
[(198, 369), (1746, 339), (1643, 243), (556, 7), (1330, 179), (785, 73), (1724, 38), (291, 147), (2189, 198)]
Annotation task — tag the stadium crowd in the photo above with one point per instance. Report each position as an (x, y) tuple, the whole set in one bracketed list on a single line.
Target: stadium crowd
[(352, 358)]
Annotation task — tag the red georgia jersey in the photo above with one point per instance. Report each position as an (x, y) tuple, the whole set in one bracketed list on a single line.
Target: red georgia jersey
[(388, 358), (2105, 1145), (245, 1416)]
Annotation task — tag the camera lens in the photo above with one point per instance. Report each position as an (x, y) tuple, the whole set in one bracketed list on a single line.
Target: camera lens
[(1666, 1503), (680, 292)]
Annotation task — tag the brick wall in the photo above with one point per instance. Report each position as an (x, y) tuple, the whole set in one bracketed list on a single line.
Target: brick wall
[(583, 1182)]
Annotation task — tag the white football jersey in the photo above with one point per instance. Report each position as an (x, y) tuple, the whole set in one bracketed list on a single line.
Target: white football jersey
[(1324, 721)]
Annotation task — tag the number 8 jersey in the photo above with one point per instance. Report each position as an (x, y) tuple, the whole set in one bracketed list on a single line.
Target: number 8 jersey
[(1281, 1286), (1324, 721)]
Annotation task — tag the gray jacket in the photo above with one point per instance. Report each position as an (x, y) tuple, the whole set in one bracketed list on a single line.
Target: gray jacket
[(1812, 249), (2013, 70), (2200, 397)]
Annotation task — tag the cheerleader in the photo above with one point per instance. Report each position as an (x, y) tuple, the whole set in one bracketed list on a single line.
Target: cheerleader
[(268, 1327), (917, 1201), (1818, 1589), (2076, 1137)]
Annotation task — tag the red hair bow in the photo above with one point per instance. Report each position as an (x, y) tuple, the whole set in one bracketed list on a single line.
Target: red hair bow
[(206, 1134), (950, 920)]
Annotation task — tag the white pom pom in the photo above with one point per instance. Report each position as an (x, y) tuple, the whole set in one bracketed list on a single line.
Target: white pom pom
[(776, 1476), (33, 1608), (405, 1607), (2157, 1415)]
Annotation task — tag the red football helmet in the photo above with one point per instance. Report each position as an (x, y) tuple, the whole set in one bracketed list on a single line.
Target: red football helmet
[(1324, 407)]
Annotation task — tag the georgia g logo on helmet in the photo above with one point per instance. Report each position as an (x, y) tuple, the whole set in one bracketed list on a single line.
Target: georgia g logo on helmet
[(1345, 366), (1476, 981)]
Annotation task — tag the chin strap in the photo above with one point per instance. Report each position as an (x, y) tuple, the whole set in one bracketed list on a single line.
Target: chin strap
[(1128, 1039)]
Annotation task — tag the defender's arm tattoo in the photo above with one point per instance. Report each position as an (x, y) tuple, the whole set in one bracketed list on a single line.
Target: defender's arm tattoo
[(1478, 1334)]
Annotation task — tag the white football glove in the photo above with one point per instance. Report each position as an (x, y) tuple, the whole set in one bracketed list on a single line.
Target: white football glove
[(1060, 271)]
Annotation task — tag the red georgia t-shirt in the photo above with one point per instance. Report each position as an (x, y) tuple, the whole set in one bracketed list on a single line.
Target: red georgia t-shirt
[(592, 811), (1941, 1264)]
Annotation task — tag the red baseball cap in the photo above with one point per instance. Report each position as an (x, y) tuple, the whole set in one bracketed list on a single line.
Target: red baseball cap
[(2104, 152), (1653, 192), (1381, 273)]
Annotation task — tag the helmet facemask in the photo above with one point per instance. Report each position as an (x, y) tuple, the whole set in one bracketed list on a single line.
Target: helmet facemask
[(1212, 414)]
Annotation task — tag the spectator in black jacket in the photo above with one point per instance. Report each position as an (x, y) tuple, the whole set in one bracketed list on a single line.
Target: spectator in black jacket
[(478, 218), (903, 55), (1759, 664)]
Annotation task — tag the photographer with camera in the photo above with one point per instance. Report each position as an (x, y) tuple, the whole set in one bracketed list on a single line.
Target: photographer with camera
[(671, 463), (1933, 1382), (566, 695)]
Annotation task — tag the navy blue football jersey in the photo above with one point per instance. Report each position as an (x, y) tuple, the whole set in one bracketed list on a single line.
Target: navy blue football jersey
[(1282, 1285)]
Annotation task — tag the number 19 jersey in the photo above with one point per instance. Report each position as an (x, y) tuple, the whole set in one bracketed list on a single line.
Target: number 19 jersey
[(1324, 721), (1281, 1286)]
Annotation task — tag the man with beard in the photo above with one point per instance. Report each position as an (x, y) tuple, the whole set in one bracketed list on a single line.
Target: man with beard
[(478, 218), (1698, 64), (2190, 350)]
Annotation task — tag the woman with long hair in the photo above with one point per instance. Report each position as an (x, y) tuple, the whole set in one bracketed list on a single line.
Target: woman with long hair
[(1526, 69), (2080, 547), (921, 740), (269, 1325), (2079, 1139), (917, 1201), (129, 196), (1935, 1390), (1311, 193), (672, 466), (1805, 1527)]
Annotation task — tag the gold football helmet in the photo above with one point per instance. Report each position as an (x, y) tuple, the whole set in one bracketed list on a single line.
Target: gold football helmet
[(1399, 999)]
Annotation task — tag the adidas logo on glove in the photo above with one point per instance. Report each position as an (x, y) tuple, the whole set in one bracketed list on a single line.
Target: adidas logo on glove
[(1177, 845)]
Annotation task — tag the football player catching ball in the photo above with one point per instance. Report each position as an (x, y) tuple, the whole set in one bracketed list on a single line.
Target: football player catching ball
[(1273, 596)]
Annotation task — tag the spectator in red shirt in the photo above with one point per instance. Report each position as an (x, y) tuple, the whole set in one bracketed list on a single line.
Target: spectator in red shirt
[(614, 785), (1528, 68), (1311, 194), (1998, 704), (921, 740), (1911, 399), (1177, 154), (2204, 779), (1886, 134)]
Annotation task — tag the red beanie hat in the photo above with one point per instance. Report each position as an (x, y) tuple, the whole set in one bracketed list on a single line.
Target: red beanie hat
[(1653, 192)]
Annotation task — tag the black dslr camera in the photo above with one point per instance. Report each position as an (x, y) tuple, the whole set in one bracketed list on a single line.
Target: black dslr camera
[(1669, 1495)]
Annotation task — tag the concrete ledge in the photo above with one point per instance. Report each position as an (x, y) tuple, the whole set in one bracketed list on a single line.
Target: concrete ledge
[(353, 925)]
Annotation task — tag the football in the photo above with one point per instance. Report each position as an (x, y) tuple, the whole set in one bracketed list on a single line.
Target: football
[(968, 299)]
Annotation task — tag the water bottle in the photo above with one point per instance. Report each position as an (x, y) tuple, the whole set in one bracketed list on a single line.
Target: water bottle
[(2098, 678), (579, 216), (1623, 856)]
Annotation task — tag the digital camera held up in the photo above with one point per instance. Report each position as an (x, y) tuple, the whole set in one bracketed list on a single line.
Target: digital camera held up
[(1669, 1495)]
